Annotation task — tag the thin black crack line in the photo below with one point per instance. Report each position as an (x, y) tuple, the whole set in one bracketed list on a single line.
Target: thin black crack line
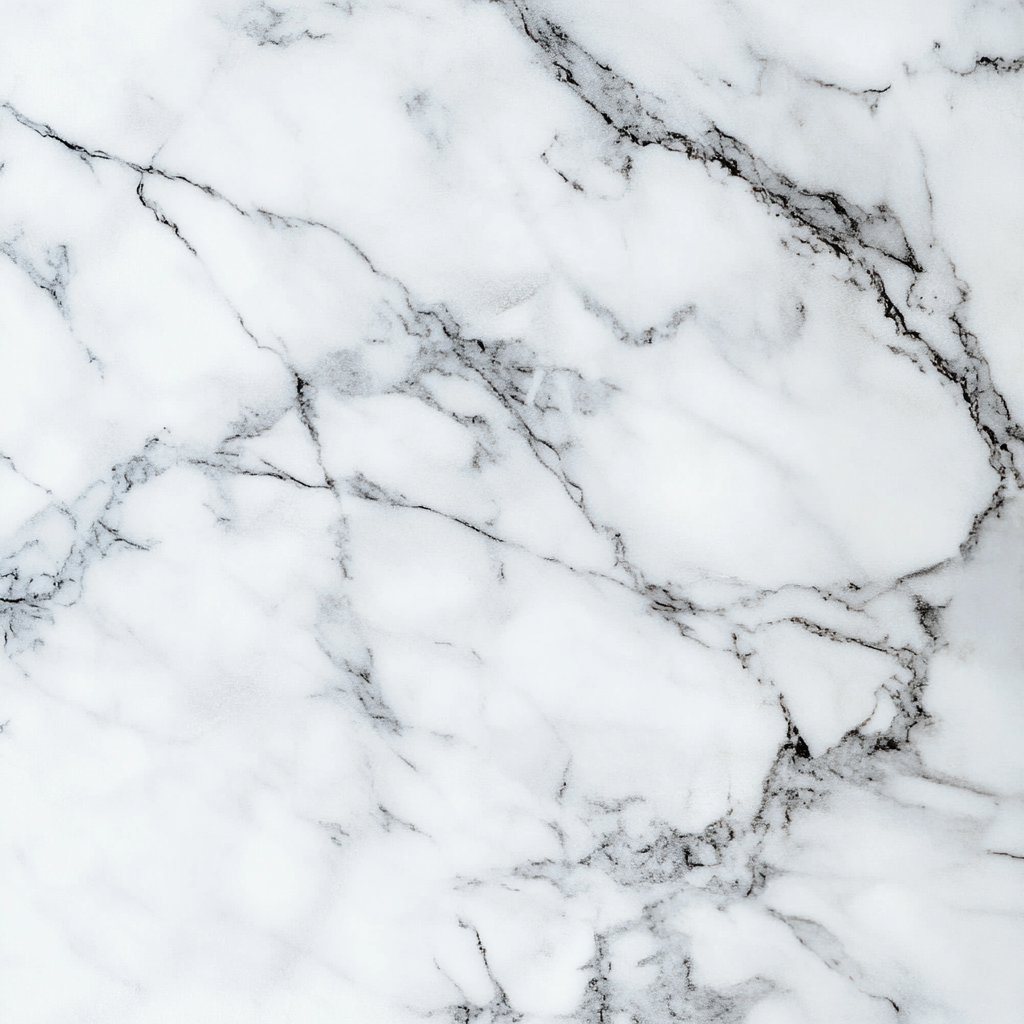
[(45, 131), (831, 963), (374, 494), (272, 471), (149, 170)]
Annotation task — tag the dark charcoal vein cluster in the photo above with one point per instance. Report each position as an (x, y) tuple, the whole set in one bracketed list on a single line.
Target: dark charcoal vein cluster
[(867, 239)]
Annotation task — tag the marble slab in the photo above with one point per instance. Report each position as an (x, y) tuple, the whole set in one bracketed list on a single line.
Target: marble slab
[(512, 512)]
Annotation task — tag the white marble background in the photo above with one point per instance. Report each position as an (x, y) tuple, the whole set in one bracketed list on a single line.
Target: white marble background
[(512, 511)]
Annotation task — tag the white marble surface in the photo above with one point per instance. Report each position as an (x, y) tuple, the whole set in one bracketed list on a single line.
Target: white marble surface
[(512, 511)]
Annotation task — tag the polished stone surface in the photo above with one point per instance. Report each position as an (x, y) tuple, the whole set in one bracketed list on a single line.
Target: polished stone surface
[(512, 512)]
